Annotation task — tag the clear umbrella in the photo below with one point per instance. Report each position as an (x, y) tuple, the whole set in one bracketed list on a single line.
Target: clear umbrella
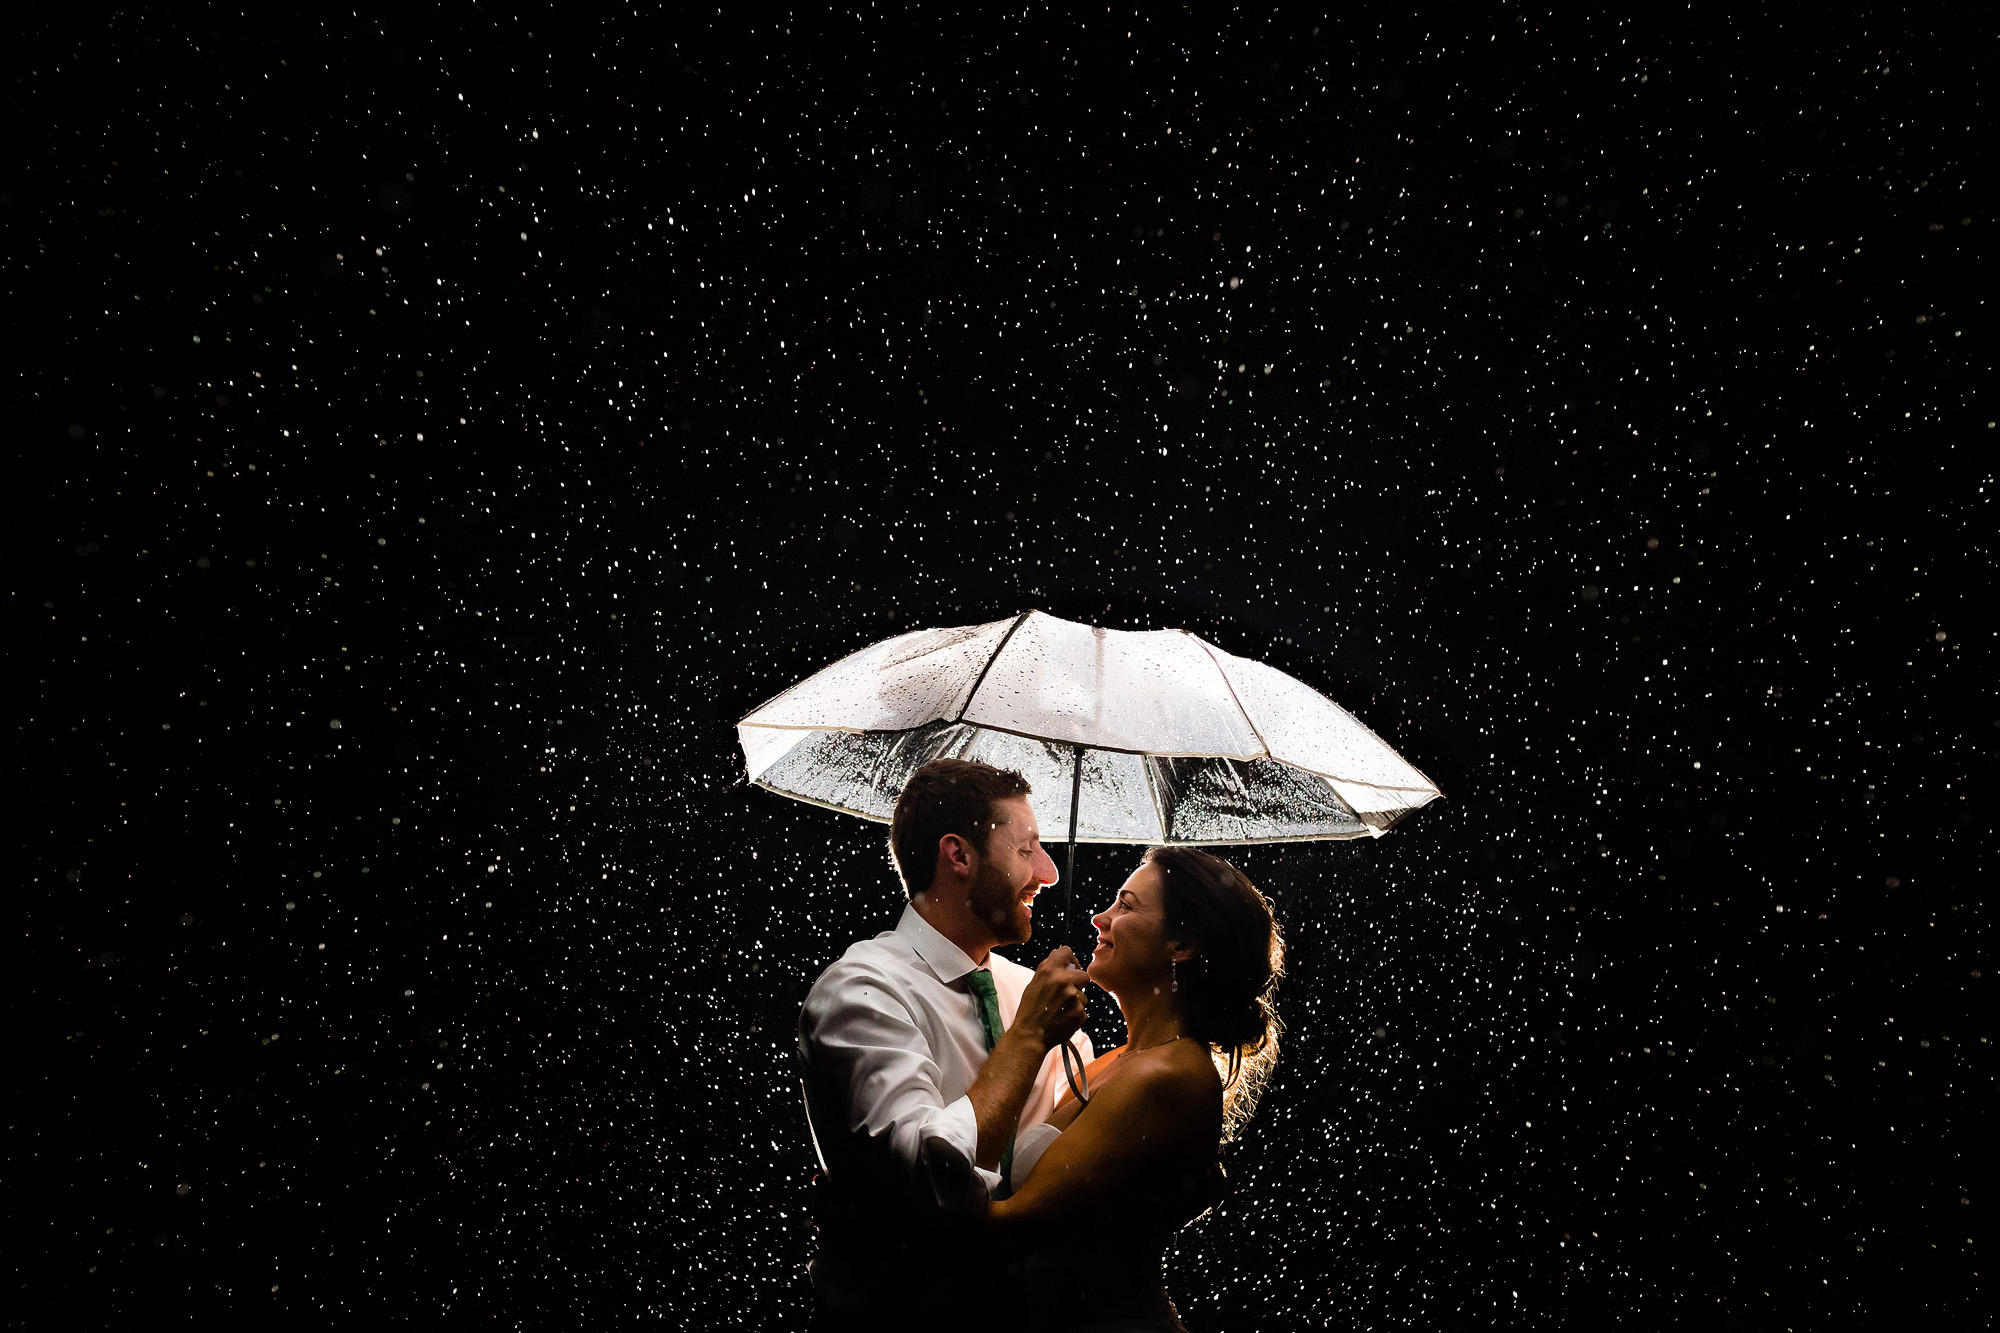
[(1126, 736)]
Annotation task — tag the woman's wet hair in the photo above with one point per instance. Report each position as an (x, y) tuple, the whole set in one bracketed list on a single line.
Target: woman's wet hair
[(1226, 989)]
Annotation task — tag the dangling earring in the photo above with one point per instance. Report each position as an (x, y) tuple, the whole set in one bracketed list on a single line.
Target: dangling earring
[(1174, 971)]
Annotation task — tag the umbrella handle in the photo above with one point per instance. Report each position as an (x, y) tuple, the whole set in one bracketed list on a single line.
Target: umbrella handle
[(1079, 1076)]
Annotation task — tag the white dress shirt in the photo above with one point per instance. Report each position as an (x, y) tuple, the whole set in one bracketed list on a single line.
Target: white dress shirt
[(889, 1042)]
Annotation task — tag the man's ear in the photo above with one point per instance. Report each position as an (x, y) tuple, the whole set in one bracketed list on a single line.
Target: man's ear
[(955, 854)]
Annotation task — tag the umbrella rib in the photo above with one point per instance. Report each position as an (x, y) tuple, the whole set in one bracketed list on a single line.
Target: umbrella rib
[(1190, 842), (1004, 640), (1107, 749), (1248, 721), (1067, 741), (1153, 790), (1432, 786), (795, 684)]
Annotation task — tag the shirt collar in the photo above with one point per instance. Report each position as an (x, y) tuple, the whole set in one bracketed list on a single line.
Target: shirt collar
[(946, 960)]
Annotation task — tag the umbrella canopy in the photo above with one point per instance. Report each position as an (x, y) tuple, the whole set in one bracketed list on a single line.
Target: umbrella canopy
[(1126, 736)]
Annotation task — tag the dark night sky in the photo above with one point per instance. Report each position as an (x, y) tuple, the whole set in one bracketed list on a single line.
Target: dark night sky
[(448, 428)]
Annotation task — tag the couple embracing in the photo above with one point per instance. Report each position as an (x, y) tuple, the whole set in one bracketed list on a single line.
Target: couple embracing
[(966, 1183)]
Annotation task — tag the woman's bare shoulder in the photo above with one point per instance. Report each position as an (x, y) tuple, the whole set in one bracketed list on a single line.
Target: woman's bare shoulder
[(1181, 1074)]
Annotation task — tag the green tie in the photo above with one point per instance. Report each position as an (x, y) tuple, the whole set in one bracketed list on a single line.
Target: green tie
[(981, 982)]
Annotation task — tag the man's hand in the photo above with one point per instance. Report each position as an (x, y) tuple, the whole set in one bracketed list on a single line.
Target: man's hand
[(1051, 1010), (1052, 1005)]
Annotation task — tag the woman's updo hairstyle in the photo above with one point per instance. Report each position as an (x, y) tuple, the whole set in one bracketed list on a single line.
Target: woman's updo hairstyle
[(1226, 988)]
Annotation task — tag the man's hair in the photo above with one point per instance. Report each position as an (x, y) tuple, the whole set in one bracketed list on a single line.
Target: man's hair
[(946, 796)]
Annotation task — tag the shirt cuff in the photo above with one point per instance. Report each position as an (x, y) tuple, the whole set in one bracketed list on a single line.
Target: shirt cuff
[(958, 1126), (1029, 1146)]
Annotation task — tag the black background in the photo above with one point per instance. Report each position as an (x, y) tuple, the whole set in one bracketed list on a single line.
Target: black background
[(435, 433)]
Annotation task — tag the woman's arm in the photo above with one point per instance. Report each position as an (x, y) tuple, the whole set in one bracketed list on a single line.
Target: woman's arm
[(1144, 1130)]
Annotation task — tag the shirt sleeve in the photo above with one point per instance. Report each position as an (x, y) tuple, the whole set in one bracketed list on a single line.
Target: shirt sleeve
[(870, 1068), (1029, 1147)]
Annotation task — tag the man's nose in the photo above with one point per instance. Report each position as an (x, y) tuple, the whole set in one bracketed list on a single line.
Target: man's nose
[(1046, 871)]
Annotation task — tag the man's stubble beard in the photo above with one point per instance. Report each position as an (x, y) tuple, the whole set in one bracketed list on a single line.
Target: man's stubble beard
[(997, 905)]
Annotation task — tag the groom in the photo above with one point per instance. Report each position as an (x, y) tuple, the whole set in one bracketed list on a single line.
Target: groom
[(924, 1033)]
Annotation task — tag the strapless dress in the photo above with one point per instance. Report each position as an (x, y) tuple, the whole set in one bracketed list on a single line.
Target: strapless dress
[(1066, 1287)]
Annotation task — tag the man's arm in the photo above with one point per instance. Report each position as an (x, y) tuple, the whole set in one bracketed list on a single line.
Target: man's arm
[(1051, 1009), (871, 1073)]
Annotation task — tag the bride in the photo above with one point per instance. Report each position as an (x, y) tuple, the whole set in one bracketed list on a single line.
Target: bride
[(1192, 954)]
